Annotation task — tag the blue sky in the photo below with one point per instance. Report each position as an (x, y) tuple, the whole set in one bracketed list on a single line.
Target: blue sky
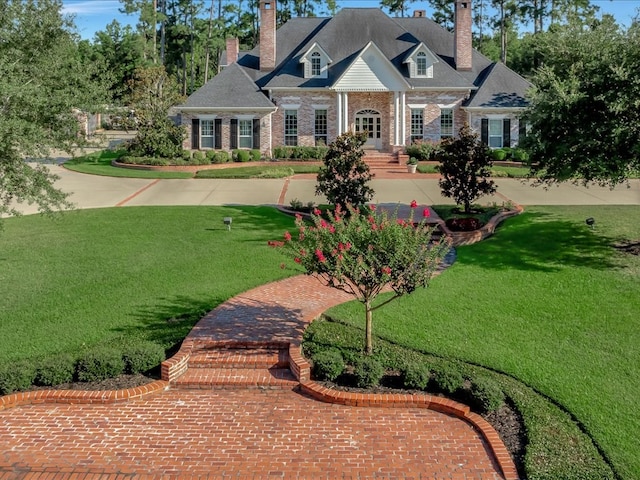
[(94, 15)]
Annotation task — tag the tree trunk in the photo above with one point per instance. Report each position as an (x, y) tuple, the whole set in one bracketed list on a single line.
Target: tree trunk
[(369, 329)]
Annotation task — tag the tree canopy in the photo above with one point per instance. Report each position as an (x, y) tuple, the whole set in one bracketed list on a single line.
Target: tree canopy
[(584, 119), (44, 87)]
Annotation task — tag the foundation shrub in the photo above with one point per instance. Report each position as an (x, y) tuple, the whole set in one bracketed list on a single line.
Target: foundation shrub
[(256, 156), (142, 357), (328, 364), (100, 364), (486, 394), (199, 158), (56, 370), (447, 378), (368, 371), (16, 377), (240, 155), (499, 154), (417, 376)]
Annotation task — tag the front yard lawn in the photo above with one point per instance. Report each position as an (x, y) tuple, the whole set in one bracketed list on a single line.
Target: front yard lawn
[(99, 163)]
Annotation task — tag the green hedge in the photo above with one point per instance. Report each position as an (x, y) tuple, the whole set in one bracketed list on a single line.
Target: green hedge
[(328, 365), (300, 153)]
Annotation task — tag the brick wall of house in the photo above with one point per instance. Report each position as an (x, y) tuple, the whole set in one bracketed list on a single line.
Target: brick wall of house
[(431, 113), (306, 103), (265, 127)]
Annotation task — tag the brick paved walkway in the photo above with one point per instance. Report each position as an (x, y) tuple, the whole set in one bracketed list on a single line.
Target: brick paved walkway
[(242, 433)]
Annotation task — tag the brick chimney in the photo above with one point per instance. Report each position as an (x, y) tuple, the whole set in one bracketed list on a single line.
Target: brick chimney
[(419, 13), (462, 53), (233, 49), (267, 35)]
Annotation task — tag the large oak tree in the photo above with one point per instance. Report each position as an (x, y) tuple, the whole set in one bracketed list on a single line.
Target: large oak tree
[(43, 86)]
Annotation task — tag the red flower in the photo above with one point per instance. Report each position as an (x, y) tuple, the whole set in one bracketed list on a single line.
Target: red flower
[(298, 216), (316, 211), (297, 260), (386, 270), (347, 246), (323, 223), (372, 207), (426, 213), (332, 229), (320, 255), (287, 236), (303, 252), (414, 204)]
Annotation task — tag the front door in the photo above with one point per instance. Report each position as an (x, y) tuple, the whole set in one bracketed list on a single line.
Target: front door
[(369, 121)]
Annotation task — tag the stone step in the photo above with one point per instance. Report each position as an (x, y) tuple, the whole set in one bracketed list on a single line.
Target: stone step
[(263, 358), (239, 378)]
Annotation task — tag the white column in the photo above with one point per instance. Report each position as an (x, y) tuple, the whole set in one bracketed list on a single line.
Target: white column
[(339, 110), (403, 121), (396, 118), (345, 105)]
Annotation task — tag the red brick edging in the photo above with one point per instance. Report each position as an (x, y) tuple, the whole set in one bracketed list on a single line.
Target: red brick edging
[(468, 238), (81, 396)]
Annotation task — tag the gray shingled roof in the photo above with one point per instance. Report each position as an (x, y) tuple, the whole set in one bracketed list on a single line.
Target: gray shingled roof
[(343, 37), (500, 88), (231, 88)]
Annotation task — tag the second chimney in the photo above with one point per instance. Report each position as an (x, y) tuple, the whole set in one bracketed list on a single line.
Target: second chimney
[(463, 49), (267, 35), (233, 49)]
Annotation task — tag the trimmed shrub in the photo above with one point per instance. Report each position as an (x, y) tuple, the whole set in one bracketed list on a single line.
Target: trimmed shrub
[(447, 378), (520, 155), (56, 370), (423, 150), (368, 371), (328, 364), (300, 152), (255, 155), (16, 376), (221, 156), (499, 154), (240, 155), (100, 364), (142, 357), (282, 152), (199, 158), (486, 394), (186, 155), (417, 375)]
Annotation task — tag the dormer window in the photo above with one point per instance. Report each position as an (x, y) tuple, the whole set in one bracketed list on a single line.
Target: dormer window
[(421, 64), (316, 64)]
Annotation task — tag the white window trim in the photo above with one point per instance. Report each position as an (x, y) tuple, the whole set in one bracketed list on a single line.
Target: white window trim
[(290, 106), (209, 118), (497, 118), (246, 118), (453, 121)]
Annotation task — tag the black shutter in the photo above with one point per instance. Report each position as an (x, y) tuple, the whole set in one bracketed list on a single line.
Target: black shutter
[(506, 133), (218, 133), (233, 137), (484, 131), (195, 133), (256, 133), (522, 130)]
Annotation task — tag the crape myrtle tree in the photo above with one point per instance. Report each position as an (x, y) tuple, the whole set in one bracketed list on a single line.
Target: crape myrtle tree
[(344, 176), (464, 165), (584, 115), (44, 87), (362, 253)]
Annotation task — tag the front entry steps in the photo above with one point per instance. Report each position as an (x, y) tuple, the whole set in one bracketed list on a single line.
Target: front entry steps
[(234, 366)]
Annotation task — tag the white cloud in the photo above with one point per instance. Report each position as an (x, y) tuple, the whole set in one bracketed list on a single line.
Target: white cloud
[(91, 7)]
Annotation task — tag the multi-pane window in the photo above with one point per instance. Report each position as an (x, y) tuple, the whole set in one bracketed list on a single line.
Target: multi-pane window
[(291, 127), (446, 122), (245, 133), (417, 124), (206, 134), (316, 64), (421, 64), (495, 133), (320, 127)]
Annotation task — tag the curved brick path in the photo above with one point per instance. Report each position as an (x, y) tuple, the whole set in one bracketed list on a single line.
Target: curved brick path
[(242, 433)]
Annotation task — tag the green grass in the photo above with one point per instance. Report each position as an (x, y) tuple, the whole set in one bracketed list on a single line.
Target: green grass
[(496, 171), (99, 163), (551, 303), (100, 276), (257, 171)]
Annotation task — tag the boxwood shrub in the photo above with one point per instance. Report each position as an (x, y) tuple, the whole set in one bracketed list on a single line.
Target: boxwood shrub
[(328, 364), (100, 364), (487, 395), (142, 357), (16, 377), (56, 370), (447, 378), (368, 371), (417, 375)]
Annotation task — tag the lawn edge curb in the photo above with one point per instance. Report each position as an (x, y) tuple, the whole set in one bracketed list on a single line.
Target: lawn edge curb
[(438, 404), (81, 396)]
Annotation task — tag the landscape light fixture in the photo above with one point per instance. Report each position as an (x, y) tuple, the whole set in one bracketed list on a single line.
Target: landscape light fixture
[(227, 221), (590, 221)]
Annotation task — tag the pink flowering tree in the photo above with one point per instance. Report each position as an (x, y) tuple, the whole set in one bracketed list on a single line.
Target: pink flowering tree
[(364, 254)]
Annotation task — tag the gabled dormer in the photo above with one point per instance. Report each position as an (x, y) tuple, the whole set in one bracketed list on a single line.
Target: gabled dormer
[(420, 62), (315, 62)]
